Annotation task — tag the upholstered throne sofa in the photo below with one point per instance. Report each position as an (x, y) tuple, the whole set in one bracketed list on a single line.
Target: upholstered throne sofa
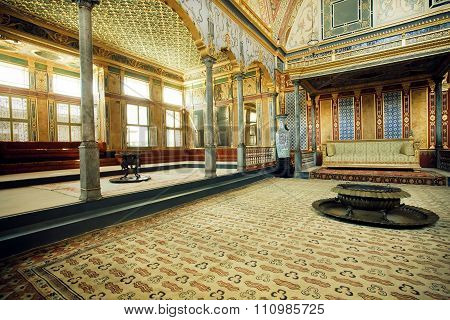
[(392, 153)]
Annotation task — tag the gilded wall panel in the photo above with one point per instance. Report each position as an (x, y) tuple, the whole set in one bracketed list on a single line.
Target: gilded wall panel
[(368, 116), (326, 123), (51, 120), (419, 116), (250, 86), (113, 83), (115, 123), (41, 81), (43, 116), (222, 91), (265, 122), (34, 131), (156, 92)]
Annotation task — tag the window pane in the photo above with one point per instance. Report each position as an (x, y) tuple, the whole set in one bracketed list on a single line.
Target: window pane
[(170, 138), (20, 131), (4, 107), (136, 88), (178, 138), (62, 112), (75, 133), (177, 119), (143, 117), (12, 75), (19, 108), (137, 136), (75, 114), (132, 114), (170, 119), (172, 96), (63, 133), (65, 85), (5, 131)]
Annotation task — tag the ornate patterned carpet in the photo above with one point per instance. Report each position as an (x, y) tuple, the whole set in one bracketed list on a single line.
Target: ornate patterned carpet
[(380, 176), (263, 241)]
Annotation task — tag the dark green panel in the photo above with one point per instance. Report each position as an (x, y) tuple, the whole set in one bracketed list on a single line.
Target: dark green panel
[(113, 69), (40, 66), (340, 17), (5, 58), (66, 72), (222, 80), (345, 11), (174, 86), (136, 76)]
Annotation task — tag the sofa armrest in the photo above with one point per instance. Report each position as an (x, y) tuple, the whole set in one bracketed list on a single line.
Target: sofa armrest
[(416, 146)]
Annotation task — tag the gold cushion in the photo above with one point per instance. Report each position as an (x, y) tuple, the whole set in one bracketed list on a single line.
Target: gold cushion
[(407, 149), (331, 150)]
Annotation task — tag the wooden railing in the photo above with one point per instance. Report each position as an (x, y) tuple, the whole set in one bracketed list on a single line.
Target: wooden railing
[(259, 157)]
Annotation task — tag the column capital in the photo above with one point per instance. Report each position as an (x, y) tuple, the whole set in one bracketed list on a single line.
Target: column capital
[(334, 96), (208, 61), (357, 93), (296, 82), (406, 86), (378, 90), (238, 76), (89, 4)]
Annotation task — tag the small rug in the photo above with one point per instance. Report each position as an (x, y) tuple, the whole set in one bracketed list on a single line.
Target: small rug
[(380, 176)]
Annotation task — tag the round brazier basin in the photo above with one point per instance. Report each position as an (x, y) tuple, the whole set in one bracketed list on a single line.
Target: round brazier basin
[(369, 197)]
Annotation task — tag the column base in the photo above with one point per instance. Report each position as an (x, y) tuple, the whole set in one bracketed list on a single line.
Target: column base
[(210, 162), (283, 168), (89, 171), (241, 158), (298, 164)]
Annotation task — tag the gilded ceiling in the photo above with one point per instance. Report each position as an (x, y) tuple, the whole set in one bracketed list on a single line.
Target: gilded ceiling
[(147, 29)]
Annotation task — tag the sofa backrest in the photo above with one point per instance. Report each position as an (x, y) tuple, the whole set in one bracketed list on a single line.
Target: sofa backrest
[(391, 146)]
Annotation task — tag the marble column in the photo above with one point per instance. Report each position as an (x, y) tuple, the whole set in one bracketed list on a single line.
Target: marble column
[(273, 123), (313, 123), (210, 148), (297, 147), (241, 123), (89, 157), (438, 103)]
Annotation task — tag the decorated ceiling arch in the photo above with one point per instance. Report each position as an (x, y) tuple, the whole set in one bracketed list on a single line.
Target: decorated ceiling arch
[(220, 32)]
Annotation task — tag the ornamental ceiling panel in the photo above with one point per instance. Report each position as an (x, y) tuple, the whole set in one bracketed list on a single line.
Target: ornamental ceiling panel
[(148, 29)]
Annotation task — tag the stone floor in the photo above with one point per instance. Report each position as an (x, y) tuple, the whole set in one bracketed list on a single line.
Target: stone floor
[(17, 200), (263, 241)]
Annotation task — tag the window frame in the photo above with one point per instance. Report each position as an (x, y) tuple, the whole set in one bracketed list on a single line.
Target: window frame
[(148, 97), (148, 126), (26, 69), (65, 94), (70, 124), (169, 103), (12, 120), (174, 128)]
